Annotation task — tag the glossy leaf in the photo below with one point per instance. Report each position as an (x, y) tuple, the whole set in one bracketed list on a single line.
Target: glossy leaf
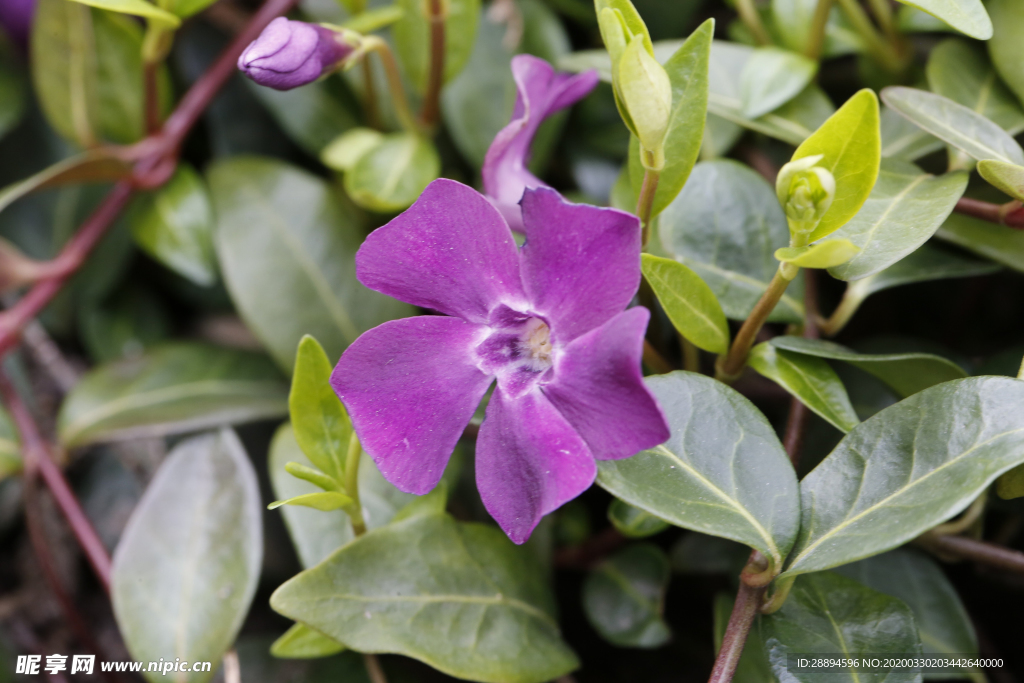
[(689, 303), (1007, 177), (346, 149), (966, 16), (826, 254), (633, 522), (1007, 38), (986, 239), (954, 123), (175, 224), (901, 139), (187, 565), (412, 38), (624, 597), (903, 211), (961, 71), (322, 427), (391, 175), (313, 115), (303, 642), (687, 70), (909, 467), (459, 597), (138, 8), (942, 622), (831, 615), (855, 166), (176, 388), (726, 225), (94, 166), (927, 263), (275, 218), (316, 534), (772, 77), (810, 379), (905, 373), (722, 472)]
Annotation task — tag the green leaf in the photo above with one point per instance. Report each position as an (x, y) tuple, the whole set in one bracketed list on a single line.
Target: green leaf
[(313, 476), (431, 503), (313, 115), (187, 565), (624, 597), (1011, 484), (793, 19), (753, 666), (772, 77), (186, 8), (689, 303), (317, 534), (954, 123), (687, 70), (176, 388), (827, 254), (831, 615), (275, 218), (810, 379), (960, 71), (1007, 44), (174, 225), (1007, 177), (10, 447), (94, 166), (13, 90), (633, 522), (325, 501), (130, 322), (138, 8), (855, 166), (346, 149), (322, 427), (390, 176), (905, 373), (372, 20), (986, 239), (303, 642), (725, 225), (942, 622), (908, 468), (903, 211), (412, 38), (901, 139), (459, 597), (966, 16), (722, 472)]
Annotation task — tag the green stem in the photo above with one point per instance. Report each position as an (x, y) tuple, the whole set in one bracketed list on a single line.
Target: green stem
[(819, 24), (387, 59), (966, 520), (155, 47), (435, 79), (752, 18), (691, 355), (882, 51), (355, 510), (853, 297), (778, 597), (645, 203), (730, 366), (882, 11), (373, 669)]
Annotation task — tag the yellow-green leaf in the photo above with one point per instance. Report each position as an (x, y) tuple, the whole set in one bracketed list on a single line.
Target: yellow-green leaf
[(325, 501), (827, 254), (689, 302), (1007, 177), (138, 8)]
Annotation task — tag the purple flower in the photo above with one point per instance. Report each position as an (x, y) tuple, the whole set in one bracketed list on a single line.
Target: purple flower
[(547, 322), (291, 53), (542, 92), (16, 19)]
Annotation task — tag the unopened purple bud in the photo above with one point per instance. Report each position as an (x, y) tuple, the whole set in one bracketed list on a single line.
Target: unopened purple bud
[(16, 19), (291, 53)]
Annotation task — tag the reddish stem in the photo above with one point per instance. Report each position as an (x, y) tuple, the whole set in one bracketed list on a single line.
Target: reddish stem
[(1010, 214), (976, 551), (432, 101), (151, 93), (38, 461), (748, 601)]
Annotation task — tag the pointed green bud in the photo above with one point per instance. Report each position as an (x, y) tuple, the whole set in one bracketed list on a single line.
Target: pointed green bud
[(805, 192), (647, 95)]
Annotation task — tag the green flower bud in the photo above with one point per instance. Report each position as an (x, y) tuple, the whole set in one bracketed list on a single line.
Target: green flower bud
[(647, 95), (805, 191)]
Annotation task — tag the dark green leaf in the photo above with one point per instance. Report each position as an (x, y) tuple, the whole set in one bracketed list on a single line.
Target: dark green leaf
[(1007, 44), (986, 239), (725, 225), (901, 139), (828, 614), (460, 597), (772, 77), (313, 115), (174, 225), (905, 373), (942, 622), (960, 71), (624, 597), (810, 379), (392, 174), (177, 388), (303, 642), (689, 303), (903, 211), (722, 472), (275, 218), (412, 38), (634, 522), (911, 466), (187, 565), (131, 322)]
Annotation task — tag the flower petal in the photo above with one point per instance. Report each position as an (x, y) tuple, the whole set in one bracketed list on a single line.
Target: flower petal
[(411, 387), (529, 461), (541, 92), (450, 251), (580, 263), (599, 389)]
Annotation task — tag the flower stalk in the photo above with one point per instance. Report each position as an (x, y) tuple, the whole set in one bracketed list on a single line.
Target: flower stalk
[(387, 59), (645, 203), (751, 18), (435, 79), (730, 366), (819, 25), (355, 510), (744, 610)]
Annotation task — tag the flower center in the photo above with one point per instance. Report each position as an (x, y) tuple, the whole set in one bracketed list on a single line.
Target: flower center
[(535, 344), (517, 350)]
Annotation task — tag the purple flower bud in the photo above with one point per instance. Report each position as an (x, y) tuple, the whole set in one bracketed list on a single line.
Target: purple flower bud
[(16, 19), (291, 53)]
